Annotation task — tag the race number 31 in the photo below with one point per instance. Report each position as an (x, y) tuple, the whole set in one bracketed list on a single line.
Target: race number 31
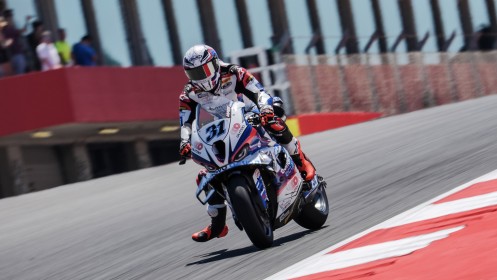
[(215, 130)]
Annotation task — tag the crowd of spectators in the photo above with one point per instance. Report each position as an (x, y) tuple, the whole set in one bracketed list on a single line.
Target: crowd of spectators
[(38, 51)]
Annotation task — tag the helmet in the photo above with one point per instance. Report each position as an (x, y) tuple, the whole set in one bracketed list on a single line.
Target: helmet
[(202, 67)]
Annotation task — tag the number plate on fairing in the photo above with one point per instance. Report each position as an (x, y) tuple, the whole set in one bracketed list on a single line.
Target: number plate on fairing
[(214, 131)]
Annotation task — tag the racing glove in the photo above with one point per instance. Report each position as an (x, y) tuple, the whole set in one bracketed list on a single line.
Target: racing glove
[(185, 149), (266, 114)]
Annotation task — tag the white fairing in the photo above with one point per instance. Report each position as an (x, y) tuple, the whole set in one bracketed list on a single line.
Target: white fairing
[(230, 131)]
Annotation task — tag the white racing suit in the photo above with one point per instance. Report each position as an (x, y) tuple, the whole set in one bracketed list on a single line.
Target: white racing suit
[(237, 84)]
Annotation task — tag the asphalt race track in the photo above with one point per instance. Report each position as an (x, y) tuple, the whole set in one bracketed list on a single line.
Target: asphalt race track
[(138, 225)]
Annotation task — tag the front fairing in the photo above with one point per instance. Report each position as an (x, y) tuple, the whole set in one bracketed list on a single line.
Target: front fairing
[(218, 143), (259, 157)]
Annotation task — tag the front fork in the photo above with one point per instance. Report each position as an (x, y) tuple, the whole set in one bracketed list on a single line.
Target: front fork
[(261, 199), (311, 188)]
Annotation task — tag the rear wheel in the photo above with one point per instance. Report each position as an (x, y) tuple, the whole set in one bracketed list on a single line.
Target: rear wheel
[(314, 215), (255, 221)]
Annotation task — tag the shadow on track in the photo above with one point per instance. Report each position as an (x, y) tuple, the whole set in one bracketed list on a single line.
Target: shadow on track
[(226, 254)]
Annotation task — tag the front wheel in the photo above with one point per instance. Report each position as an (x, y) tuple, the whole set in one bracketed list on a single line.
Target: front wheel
[(314, 214), (253, 219)]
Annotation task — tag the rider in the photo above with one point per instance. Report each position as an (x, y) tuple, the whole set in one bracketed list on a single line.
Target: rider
[(212, 85)]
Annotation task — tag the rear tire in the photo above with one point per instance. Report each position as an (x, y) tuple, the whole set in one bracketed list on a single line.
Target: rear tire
[(254, 221), (314, 215)]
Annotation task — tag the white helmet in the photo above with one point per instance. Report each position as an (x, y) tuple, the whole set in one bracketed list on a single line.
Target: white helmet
[(202, 67)]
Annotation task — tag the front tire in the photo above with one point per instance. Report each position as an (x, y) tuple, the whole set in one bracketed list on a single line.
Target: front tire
[(254, 221), (314, 215)]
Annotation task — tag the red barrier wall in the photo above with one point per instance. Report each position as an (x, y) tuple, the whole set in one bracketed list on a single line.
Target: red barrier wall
[(311, 123), (100, 94), (33, 101)]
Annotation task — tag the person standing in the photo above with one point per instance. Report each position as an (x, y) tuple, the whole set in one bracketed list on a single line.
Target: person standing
[(5, 67), (47, 53), (16, 48), (63, 48), (34, 39), (83, 53)]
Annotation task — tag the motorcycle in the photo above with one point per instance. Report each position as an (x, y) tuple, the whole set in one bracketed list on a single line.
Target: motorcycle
[(255, 175)]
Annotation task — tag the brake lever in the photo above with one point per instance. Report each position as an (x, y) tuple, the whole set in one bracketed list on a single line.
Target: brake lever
[(254, 120)]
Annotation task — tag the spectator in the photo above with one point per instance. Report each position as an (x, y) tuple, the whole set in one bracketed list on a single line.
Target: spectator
[(16, 48), (63, 48), (83, 53), (34, 39), (5, 67), (47, 53)]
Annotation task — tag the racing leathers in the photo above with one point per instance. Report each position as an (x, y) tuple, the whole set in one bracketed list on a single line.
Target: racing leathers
[(236, 84)]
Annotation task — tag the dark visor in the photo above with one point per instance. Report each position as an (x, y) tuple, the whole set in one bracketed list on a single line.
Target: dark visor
[(202, 72)]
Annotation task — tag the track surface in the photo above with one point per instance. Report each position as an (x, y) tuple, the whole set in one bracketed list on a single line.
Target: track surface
[(138, 225)]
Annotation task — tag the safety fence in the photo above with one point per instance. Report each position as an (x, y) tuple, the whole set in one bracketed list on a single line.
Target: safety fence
[(388, 83)]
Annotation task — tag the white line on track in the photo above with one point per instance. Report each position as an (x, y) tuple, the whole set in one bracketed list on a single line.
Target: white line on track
[(371, 253), (411, 214)]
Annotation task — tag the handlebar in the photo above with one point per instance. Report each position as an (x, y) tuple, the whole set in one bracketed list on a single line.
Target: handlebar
[(253, 119)]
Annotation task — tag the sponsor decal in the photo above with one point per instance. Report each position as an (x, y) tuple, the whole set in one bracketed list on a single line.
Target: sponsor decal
[(240, 132), (195, 57), (285, 203), (202, 94), (284, 215), (236, 129), (259, 184), (228, 111), (199, 146), (218, 111), (294, 183), (224, 86), (289, 169)]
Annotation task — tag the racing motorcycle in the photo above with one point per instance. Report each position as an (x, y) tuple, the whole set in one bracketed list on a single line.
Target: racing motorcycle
[(256, 176)]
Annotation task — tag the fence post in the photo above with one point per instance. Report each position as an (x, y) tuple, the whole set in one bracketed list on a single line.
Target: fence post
[(343, 81), (314, 81), (401, 97), (375, 103)]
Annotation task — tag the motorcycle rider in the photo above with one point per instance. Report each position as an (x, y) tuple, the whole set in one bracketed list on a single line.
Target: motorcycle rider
[(212, 85)]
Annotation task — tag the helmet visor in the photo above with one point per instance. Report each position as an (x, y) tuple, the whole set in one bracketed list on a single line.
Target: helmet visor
[(203, 71)]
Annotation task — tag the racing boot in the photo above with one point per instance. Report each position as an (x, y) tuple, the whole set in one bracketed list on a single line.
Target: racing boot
[(217, 228), (304, 165)]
